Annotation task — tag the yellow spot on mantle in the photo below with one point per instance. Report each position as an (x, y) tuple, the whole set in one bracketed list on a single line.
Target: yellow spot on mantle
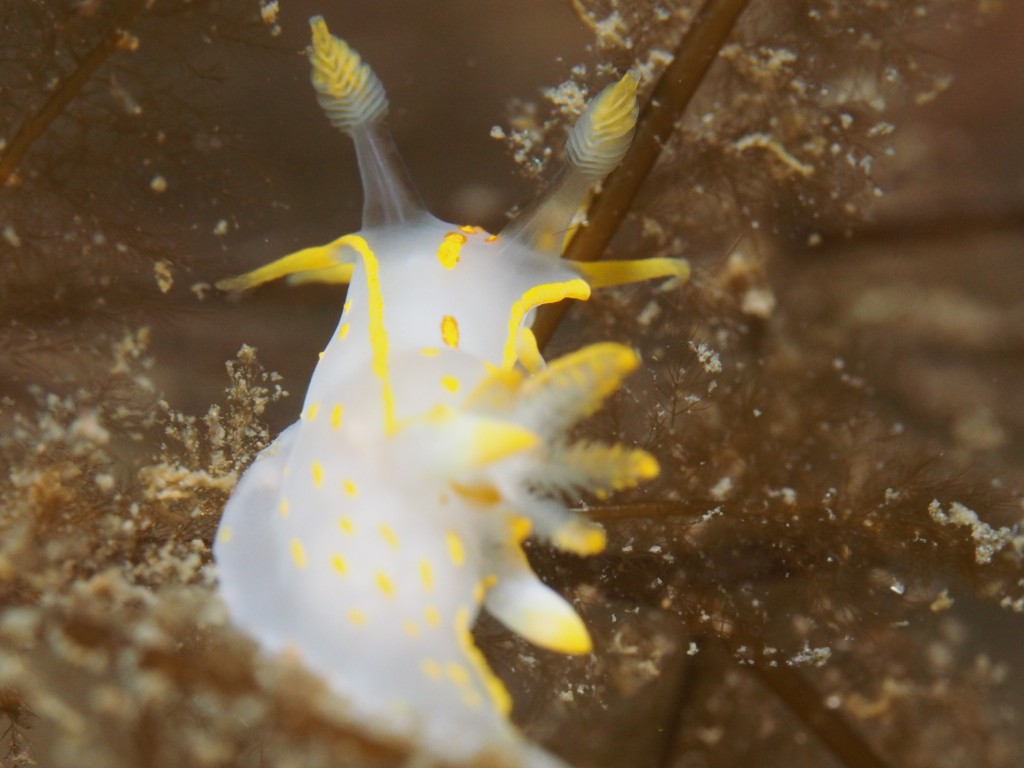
[(451, 383), (432, 669), (384, 584), (357, 617), (318, 474), (430, 351), (336, 413), (389, 535), (350, 488), (347, 525), (343, 330), (431, 616), (456, 552), (426, 575), (457, 673), (338, 564), (226, 532), (450, 331), (298, 553), (312, 411), (282, 509), (411, 628)]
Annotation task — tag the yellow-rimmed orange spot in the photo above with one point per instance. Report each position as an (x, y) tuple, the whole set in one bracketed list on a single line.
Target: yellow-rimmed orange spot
[(449, 252)]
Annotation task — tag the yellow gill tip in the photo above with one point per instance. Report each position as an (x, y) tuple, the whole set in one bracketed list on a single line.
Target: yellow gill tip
[(644, 466), (580, 537), (562, 632)]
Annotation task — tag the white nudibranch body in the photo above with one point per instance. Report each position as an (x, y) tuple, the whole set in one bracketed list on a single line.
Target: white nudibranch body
[(433, 440)]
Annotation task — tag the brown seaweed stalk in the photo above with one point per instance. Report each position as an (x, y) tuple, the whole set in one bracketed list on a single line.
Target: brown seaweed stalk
[(694, 56), (36, 125), (677, 86)]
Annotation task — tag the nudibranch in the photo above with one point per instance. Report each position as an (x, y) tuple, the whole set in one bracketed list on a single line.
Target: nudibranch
[(432, 441)]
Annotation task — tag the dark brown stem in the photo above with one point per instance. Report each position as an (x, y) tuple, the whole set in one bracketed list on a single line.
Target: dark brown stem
[(36, 125), (806, 702), (675, 89)]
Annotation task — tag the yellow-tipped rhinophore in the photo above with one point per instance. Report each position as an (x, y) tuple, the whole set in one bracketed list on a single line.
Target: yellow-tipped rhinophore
[(347, 89), (600, 138)]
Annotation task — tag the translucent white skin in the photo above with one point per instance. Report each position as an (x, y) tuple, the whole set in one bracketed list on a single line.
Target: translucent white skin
[(404, 662), (373, 513), (478, 293), (367, 537)]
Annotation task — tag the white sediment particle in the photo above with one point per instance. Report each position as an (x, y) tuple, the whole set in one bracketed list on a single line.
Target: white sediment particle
[(649, 313), (269, 11), (707, 357), (722, 489), (816, 656), (220, 228), (11, 236), (164, 276), (941, 603), (987, 540), (158, 184), (570, 97), (788, 495), (768, 143)]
